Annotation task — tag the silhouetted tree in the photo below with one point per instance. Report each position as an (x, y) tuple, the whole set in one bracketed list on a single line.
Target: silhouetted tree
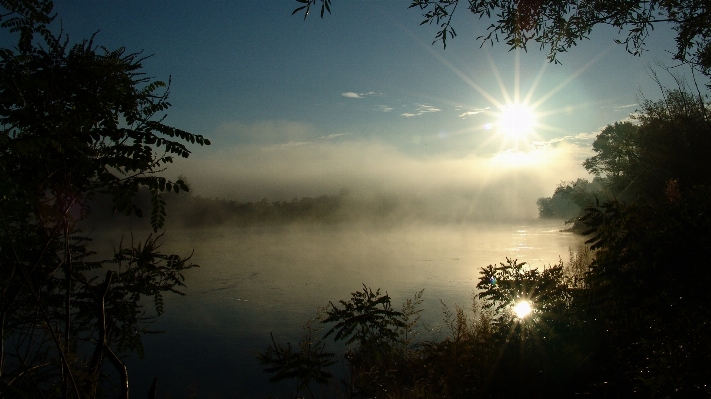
[(670, 141), (76, 120), (617, 156)]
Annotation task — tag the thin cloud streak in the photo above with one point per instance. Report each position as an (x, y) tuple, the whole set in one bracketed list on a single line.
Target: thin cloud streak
[(475, 112), (623, 107), (579, 145), (333, 136), (421, 110), (350, 94)]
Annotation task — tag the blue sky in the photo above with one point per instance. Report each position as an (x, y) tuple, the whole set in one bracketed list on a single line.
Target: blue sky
[(362, 100)]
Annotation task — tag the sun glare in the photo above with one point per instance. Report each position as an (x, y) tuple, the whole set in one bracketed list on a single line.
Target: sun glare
[(522, 309), (512, 117), (517, 121), (517, 159)]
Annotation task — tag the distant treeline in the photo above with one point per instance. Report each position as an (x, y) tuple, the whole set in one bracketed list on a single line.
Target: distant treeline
[(197, 211), (570, 198), (187, 210)]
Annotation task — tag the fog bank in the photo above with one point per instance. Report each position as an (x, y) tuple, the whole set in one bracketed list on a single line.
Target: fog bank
[(505, 184)]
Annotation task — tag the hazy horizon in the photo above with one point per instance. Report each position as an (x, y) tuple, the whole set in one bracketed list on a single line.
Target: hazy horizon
[(509, 181)]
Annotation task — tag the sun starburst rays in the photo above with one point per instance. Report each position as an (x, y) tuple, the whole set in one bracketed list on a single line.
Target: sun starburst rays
[(534, 91), (516, 119)]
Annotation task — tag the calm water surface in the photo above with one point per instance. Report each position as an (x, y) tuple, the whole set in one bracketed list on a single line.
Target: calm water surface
[(257, 280)]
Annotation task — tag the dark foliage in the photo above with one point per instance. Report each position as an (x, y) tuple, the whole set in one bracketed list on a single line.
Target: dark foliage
[(635, 161), (367, 319), (309, 364), (77, 121), (647, 292)]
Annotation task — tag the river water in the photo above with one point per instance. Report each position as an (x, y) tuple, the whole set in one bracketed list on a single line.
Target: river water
[(257, 280)]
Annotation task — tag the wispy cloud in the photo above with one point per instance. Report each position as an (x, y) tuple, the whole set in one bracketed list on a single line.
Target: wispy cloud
[(580, 139), (292, 144), (624, 107), (384, 108), (586, 136), (332, 136), (351, 94), (474, 112), (579, 145), (421, 109)]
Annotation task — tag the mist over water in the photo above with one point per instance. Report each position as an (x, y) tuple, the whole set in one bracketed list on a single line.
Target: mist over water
[(443, 186), (261, 279)]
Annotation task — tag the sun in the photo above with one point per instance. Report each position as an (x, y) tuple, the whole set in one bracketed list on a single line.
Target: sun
[(516, 121), (523, 309), (512, 117)]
